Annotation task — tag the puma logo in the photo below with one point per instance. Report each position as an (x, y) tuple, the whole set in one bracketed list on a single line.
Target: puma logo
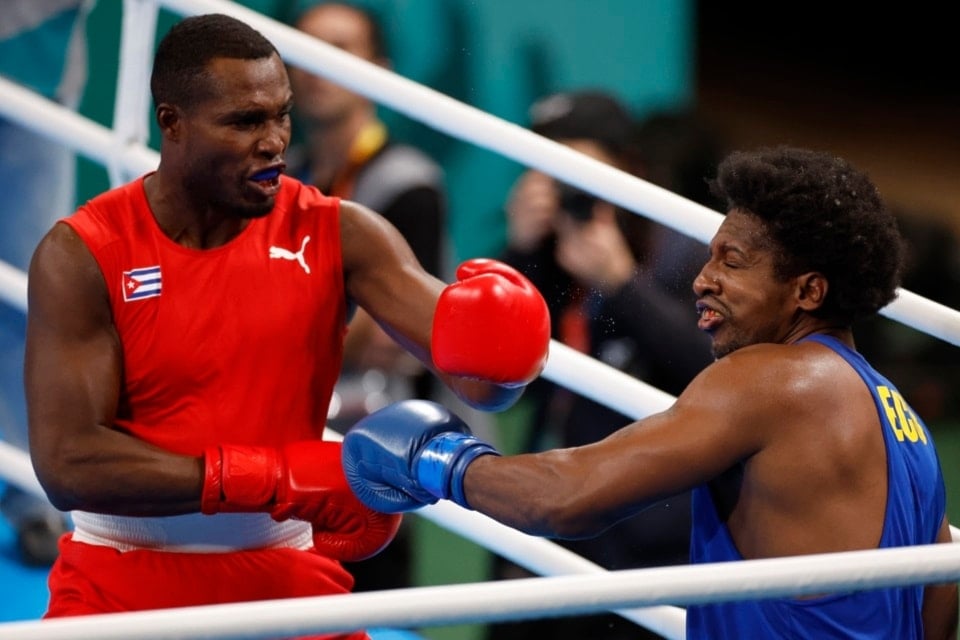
[(286, 254)]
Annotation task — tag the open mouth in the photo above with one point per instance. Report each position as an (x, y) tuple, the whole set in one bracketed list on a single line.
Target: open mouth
[(708, 318), (267, 179)]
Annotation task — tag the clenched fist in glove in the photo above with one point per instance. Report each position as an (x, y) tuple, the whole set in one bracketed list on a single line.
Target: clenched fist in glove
[(491, 324), (409, 454), (303, 480)]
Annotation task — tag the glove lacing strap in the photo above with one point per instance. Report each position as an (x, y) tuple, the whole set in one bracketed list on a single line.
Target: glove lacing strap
[(212, 493), (239, 478), (443, 462)]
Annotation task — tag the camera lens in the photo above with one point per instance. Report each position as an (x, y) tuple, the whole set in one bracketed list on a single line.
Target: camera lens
[(578, 204)]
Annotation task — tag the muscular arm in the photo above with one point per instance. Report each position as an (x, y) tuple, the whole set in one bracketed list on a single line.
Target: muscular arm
[(581, 491), (418, 214), (802, 431), (73, 373), (940, 602), (384, 277)]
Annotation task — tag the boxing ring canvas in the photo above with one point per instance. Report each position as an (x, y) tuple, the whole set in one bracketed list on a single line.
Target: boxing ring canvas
[(572, 585)]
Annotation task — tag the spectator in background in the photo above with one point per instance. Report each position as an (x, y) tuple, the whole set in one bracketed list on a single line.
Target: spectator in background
[(347, 152), (594, 265), (43, 48)]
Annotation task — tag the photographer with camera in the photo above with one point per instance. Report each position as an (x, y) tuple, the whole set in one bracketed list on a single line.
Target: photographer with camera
[(592, 263)]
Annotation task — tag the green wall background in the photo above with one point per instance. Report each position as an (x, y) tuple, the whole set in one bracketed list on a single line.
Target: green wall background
[(496, 55)]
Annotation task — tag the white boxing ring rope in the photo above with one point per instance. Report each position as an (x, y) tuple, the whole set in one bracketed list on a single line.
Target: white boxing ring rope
[(123, 151), (510, 599), (470, 124)]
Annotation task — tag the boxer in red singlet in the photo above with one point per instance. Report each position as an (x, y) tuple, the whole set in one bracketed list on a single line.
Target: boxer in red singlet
[(184, 335)]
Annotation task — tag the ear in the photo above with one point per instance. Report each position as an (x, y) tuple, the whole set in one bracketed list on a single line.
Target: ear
[(811, 290), (168, 119)]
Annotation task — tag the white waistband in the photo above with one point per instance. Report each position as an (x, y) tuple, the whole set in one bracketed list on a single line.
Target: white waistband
[(192, 532)]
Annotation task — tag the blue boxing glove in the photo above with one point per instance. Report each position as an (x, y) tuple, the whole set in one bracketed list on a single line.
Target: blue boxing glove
[(409, 454)]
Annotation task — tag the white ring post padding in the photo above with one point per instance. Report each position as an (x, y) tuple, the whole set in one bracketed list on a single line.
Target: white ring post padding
[(92, 140), (15, 467), (511, 599), (13, 286), (131, 111)]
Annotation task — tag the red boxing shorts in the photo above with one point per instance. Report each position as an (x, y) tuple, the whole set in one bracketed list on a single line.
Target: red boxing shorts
[(89, 579)]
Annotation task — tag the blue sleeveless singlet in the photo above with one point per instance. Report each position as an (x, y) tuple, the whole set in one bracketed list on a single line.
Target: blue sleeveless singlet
[(916, 503)]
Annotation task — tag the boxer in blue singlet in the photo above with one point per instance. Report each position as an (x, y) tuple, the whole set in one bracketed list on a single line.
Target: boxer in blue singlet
[(792, 443)]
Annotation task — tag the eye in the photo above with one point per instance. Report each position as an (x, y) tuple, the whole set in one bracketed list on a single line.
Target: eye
[(733, 260), (245, 123)]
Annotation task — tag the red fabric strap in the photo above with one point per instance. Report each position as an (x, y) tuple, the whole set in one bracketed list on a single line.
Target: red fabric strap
[(212, 492), (239, 478)]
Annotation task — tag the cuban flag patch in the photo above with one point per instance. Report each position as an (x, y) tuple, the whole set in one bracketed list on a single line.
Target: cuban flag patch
[(141, 283)]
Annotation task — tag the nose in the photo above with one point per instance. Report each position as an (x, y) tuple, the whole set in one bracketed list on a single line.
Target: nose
[(274, 141), (706, 281)]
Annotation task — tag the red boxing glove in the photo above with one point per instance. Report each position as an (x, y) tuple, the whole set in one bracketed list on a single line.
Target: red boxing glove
[(491, 324), (305, 481)]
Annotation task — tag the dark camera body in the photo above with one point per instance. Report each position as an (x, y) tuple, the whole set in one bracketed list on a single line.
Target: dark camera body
[(578, 204)]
